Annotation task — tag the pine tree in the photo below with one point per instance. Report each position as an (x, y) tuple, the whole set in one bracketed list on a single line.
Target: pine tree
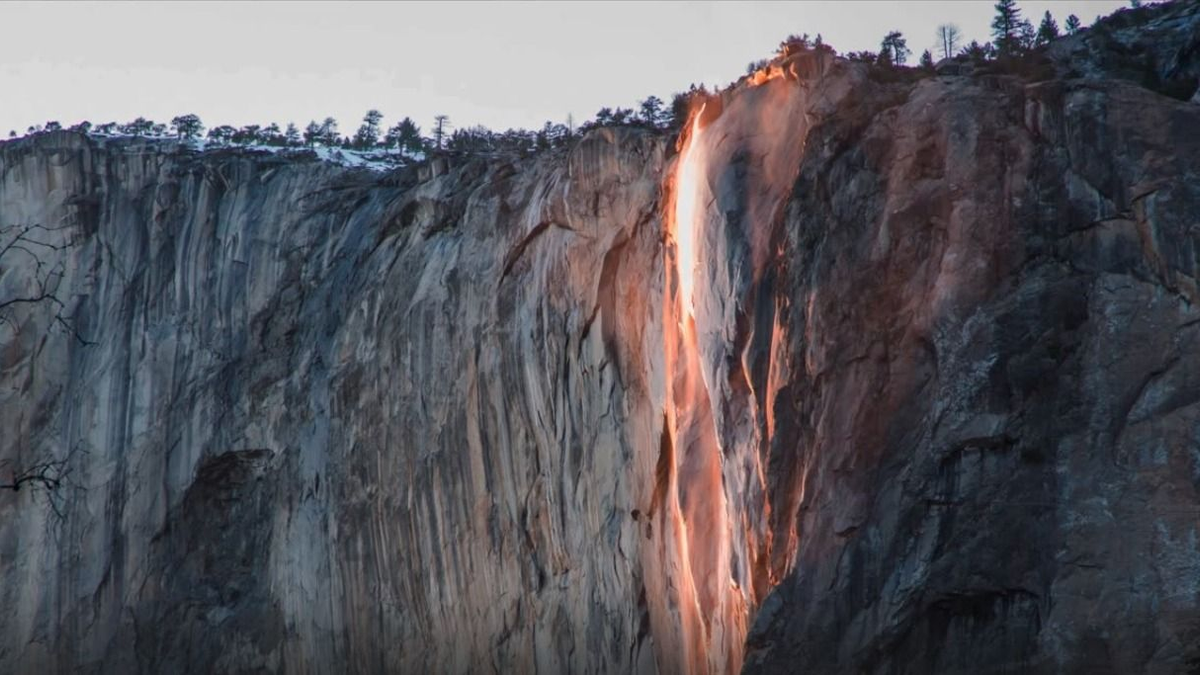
[(1026, 35), (405, 136), (367, 135), (604, 116), (927, 61), (328, 133), (441, 125), (977, 52), (139, 127), (793, 44), (651, 112), (1006, 28), (1072, 25), (222, 134), (1047, 30), (894, 48), (251, 134), (291, 136), (312, 133), (544, 136), (187, 126), (273, 136)]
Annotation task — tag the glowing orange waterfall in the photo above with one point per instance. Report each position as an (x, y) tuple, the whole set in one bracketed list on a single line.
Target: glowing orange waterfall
[(717, 549), (711, 608), (683, 222)]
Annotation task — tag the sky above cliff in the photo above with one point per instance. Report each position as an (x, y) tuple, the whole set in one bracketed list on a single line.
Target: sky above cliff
[(498, 64)]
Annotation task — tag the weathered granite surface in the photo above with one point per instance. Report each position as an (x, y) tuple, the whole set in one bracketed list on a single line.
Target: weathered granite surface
[(326, 420), (317, 419)]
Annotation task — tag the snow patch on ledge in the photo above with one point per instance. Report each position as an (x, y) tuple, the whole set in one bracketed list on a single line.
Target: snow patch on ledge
[(373, 160)]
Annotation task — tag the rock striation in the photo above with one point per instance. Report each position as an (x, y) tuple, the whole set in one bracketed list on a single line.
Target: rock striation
[(933, 404)]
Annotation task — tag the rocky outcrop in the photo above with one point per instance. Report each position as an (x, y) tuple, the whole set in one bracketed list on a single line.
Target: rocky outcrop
[(1156, 47), (932, 406), (318, 419), (993, 409)]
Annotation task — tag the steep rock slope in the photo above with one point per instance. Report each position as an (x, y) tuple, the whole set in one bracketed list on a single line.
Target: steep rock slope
[(938, 412), (327, 420), (994, 315)]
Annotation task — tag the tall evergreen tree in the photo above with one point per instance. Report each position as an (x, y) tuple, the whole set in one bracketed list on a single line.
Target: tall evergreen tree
[(367, 135), (1006, 27), (1072, 25), (441, 126), (328, 133), (405, 136), (291, 136), (222, 134), (312, 133), (651, 111), (926, 60), (1047, 30), (139, 127), (187, 126), (251, 134)]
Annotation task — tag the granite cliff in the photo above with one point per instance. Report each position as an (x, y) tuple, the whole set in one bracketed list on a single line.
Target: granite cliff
[(864, 372)]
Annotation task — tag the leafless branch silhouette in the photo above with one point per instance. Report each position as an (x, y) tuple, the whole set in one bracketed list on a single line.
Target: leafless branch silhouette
[(38, 242)]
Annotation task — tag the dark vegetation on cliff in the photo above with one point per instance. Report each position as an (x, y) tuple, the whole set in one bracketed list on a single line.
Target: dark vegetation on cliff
[(1017, 47)]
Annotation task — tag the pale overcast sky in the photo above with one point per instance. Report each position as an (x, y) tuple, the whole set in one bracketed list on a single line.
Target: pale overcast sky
[(499, 64)]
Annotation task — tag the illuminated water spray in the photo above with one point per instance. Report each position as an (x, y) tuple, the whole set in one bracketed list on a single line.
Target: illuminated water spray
[(687, 209), (709, 608), (715, 552)]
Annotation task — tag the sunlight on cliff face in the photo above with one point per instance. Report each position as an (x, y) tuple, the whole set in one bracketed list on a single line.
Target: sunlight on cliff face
[(718, 547), (684, 226), (710, 605), (766, 74)]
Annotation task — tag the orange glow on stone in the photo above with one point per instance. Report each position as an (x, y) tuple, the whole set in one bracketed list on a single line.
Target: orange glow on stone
[(687, 208)]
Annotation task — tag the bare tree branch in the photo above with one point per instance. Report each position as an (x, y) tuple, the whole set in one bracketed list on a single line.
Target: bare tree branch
[(34, 240), (50, 477)]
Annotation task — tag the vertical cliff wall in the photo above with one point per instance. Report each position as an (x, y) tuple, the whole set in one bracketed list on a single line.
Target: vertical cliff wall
[(319, 420), (989, 423), (872, 372)]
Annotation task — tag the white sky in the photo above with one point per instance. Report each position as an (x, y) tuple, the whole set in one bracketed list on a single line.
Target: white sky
[(498, 64)]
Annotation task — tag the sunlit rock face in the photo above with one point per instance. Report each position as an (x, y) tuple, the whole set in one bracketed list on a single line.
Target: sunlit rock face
[(927, 402)]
